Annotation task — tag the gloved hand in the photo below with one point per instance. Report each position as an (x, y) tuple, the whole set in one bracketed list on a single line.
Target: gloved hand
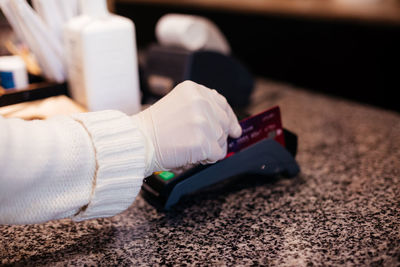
[(189, 125)]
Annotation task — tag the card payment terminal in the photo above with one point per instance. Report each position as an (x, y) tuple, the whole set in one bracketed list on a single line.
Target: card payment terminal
[(264, 148)]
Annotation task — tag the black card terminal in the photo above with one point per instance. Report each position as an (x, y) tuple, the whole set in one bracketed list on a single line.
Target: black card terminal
[(263, 148)]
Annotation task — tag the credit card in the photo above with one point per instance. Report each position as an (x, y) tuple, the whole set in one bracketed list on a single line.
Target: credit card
[(266, 124)]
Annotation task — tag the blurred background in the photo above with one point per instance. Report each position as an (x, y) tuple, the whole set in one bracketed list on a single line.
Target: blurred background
[(348, 48)]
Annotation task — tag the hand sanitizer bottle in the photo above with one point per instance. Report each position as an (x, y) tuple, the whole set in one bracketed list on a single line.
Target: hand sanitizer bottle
[(102, 59)]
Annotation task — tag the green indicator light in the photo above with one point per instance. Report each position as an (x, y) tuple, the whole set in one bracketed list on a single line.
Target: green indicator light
[(166, 175)]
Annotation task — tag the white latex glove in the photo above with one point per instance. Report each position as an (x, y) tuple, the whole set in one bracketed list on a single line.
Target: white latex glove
[(189, 125)]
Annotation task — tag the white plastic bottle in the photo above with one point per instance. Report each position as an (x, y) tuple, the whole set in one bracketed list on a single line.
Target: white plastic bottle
[(102, 59)]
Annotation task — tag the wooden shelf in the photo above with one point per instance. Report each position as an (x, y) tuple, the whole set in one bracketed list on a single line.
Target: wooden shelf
[(386, 11), (32, 92)]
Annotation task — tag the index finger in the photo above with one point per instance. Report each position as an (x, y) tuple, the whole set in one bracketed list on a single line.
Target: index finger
[(234, 130)]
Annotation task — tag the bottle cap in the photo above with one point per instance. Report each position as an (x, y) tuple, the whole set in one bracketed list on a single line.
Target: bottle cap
[(13, 73)]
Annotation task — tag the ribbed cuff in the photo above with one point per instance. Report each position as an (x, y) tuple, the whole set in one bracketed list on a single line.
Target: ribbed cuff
[(120, 162), (138, 121)]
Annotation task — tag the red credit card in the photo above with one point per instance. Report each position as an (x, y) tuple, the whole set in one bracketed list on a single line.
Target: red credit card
[(266, 124)]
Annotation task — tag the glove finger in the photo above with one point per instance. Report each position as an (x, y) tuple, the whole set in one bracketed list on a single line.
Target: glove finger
[(216, 135), (216, 139), (216, 114), (234, 129), (222, 139), (223, 120), (216, 153)]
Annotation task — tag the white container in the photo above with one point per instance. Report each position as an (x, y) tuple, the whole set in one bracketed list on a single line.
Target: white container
[(191, 32), (13, 73), (102, 63)]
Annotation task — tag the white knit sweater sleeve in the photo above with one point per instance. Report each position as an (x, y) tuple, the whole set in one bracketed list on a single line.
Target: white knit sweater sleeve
[(85, 166)]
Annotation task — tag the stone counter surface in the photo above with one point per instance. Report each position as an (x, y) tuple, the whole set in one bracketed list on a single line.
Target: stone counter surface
[(342, 209)]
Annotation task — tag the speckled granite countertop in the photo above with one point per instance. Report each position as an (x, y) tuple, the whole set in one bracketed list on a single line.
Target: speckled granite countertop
[(343, 209)]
